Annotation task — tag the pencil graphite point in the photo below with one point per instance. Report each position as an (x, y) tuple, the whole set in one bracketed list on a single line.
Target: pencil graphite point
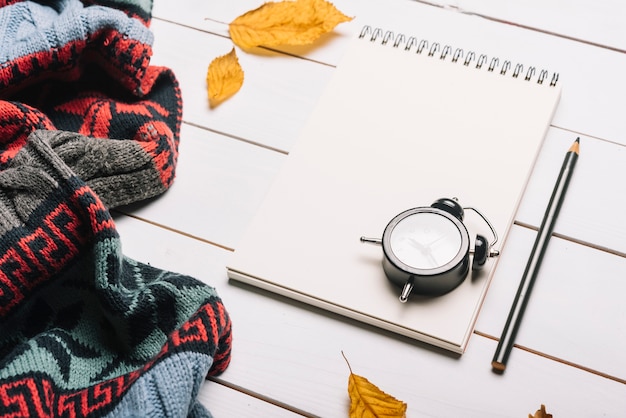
[(575, 146)]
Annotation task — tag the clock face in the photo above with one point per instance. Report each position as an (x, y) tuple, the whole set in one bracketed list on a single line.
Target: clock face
[(425, 240)]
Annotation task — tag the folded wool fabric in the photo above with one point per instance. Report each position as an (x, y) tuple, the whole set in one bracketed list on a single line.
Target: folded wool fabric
[(86, 69), (55, 39), (119, 171), (86, 123), (85, 331)]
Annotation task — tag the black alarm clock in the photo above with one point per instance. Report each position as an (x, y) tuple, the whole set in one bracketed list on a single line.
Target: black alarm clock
[(427, 249)]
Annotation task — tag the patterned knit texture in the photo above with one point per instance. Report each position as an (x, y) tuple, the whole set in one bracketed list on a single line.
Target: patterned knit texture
[(86, 69), (86, 123), (81, 323)]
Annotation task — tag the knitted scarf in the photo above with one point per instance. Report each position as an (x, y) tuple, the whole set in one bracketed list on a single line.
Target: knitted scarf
[(86, 124)]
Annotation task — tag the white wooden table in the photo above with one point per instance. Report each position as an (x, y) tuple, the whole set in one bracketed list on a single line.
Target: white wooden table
[(286, 358)]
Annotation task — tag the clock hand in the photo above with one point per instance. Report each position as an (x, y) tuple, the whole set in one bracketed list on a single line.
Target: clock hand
[(418, 244), (437, 240), (426, 250), (432, 258)]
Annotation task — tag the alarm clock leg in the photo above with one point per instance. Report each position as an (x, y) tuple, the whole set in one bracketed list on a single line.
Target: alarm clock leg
[(406, 290)]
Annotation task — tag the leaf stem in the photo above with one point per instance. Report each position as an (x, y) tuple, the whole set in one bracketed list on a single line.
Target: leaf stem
[(347, 362)]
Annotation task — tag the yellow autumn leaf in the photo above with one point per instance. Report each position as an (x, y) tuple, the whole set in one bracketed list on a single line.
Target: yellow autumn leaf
[(368, 401), (224, 78), (541, 413), (297, 22)]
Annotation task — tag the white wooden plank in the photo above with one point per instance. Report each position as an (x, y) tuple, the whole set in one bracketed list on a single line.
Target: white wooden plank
[(219, 185), (591, 76), (593, 206), (277, 96), (215, 16), (599, 22), (225, 402), (576, 310), (293, 354)]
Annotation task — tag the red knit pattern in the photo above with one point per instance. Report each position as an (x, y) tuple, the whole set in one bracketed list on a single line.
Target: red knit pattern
[(17, 121), (208, 331)]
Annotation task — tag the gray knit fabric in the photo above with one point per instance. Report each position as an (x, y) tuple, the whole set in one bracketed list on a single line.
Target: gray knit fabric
[(119, 171), (27, 182)]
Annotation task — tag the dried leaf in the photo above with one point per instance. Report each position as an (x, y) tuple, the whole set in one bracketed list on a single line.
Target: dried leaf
[(224, 78), (298, 22), (541, 413), (368, 401)]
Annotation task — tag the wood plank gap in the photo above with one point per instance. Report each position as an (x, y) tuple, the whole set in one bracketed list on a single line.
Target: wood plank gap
[(186, 234), (237, 138), (290, 54), (558, 360), (520, 25), (173, 22), (579, 134), (304, 58), (575, 240), (262, 397)]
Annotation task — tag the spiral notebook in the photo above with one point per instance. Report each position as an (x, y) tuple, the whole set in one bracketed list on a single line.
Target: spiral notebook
[(402, 122)]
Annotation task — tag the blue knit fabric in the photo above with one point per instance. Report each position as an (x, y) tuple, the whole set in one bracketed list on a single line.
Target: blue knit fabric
[(168, 390), (29, 27)]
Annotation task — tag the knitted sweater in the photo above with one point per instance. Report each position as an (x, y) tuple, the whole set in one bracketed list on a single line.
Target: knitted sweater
[(86, 123)]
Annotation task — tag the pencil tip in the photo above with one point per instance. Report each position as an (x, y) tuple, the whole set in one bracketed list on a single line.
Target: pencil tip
[(575, 146)]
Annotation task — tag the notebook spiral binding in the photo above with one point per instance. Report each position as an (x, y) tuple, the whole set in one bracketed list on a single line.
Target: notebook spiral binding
[(434, 49)]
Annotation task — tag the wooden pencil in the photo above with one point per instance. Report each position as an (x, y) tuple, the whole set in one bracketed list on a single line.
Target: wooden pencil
[(507, 339)]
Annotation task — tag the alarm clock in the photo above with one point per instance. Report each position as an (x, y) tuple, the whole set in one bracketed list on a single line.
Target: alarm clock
[(426, 250)]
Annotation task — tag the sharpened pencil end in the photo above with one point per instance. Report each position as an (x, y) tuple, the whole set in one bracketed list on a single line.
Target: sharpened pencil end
[(498, 367), (575, 146)]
